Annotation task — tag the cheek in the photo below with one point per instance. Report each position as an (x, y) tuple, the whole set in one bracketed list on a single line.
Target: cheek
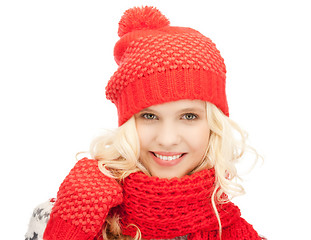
[(199, 138), (144, 135)]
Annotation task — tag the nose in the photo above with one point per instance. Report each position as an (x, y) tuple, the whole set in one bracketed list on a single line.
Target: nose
[(168, 135)]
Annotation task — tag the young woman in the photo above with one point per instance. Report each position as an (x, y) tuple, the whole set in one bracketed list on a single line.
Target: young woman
[(168, 171)]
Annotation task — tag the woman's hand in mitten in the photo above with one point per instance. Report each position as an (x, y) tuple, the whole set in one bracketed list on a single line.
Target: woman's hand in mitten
[(83, 202)]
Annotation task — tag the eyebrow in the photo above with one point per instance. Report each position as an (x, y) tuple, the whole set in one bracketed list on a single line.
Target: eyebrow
[(192, 109), (189, 109)]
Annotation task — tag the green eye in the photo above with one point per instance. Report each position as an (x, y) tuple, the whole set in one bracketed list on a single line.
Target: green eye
[(149, 116), (189, 116)]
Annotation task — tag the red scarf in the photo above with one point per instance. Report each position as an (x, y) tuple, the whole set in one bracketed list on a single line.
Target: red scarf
[(163, 208)]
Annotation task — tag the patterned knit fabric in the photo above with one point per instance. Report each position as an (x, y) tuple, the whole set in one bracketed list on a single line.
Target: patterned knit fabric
[(164, 209), (159, 63), (38, 220), (83, 202)]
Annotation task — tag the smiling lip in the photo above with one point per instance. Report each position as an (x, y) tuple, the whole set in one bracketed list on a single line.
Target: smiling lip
[(167, 162)]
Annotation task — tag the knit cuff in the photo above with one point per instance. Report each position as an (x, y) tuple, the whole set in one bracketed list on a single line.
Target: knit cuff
[(58, 229), (241, 229)]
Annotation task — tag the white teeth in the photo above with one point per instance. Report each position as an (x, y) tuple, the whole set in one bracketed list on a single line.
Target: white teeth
[(167, 158)]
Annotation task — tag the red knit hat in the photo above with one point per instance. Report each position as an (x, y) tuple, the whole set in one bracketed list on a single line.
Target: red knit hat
[(159, 63)]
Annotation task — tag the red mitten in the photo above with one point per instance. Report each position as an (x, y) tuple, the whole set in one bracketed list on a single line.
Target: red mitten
[(83, 202)]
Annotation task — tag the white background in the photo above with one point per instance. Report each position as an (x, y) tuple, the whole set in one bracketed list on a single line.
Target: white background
[(55, 61)]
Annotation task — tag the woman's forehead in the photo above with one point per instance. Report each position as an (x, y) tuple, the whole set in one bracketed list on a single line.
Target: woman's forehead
[(184, 104)]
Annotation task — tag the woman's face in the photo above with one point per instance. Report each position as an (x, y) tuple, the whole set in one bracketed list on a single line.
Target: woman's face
[(173, 137)]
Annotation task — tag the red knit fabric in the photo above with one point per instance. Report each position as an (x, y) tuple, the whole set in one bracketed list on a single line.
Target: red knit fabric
[(161, 208), (159, 63), (164, 209), (83, 202)]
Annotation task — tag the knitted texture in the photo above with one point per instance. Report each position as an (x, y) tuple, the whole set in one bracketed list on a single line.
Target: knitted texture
[(83, 202), (38, 220), (141, 18), (159, 63), (163, 208)]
